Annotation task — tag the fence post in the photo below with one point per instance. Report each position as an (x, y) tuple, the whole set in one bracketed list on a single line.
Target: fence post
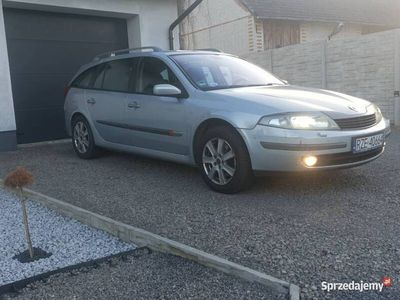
[(397, 79), (323, 65)]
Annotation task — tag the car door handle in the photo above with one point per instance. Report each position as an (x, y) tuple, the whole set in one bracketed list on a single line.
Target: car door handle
[(91, 101), (134, 105)]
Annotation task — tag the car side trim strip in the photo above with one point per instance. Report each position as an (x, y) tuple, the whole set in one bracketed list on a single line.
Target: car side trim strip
[(141, 128), (302, 147)]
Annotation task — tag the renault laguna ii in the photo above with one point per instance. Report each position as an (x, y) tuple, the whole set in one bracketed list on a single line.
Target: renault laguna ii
[(225, 115)]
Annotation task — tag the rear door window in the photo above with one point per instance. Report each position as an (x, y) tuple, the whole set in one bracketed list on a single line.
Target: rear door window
[(118, 75)]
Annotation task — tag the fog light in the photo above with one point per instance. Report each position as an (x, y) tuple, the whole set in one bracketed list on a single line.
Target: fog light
[(310, 160)]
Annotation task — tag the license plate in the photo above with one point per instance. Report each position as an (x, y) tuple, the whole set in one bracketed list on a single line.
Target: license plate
[(366, 143)]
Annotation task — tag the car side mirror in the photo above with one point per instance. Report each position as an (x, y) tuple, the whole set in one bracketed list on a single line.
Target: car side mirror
[(166, 90), (285, 81)]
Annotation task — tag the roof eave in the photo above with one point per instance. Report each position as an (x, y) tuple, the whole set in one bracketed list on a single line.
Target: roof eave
[(245, 6)]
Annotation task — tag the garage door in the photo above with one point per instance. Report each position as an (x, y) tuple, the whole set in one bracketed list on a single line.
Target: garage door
[(45, 50)]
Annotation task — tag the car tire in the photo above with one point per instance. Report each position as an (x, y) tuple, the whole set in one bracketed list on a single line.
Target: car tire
[(224, 161), (82, 138)]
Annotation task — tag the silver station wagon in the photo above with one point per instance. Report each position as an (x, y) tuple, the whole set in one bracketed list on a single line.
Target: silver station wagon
[(216, 111)]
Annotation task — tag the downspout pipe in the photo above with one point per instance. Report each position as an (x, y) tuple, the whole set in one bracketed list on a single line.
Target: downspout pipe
[(179, 20)]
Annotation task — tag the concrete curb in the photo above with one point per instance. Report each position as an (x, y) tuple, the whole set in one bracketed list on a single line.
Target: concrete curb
[(155, 242), (294, 292)]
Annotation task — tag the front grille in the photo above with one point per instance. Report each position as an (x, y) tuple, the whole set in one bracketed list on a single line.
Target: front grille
[(357, 122), (346, 157)]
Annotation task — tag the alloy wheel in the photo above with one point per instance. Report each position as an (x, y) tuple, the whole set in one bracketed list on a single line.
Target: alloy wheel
[(81, 137), (219, 161)]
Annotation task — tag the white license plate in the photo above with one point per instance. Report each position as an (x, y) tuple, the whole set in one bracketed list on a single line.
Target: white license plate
[(366, 143)]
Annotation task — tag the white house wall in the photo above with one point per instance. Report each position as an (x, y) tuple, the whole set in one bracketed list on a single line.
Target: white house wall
[(7, 118), (214, 12), (152, 16), (236, 43), (222, 24)]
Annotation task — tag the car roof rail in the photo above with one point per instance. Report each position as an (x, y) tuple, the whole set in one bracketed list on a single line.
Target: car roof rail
[(210, 49), (126, 51)]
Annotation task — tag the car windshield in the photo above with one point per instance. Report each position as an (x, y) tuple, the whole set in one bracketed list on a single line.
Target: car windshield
[(214, 72)]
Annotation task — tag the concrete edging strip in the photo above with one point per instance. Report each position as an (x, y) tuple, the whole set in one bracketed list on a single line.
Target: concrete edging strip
[(20, 284), (155, 242)]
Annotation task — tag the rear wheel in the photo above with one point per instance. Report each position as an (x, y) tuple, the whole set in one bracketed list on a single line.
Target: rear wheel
[(224, 161), (82, 138)]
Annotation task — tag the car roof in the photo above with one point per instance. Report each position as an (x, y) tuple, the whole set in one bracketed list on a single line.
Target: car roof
[(111, 56)]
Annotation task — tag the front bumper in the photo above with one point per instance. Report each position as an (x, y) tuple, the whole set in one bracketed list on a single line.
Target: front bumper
[(275, 149)]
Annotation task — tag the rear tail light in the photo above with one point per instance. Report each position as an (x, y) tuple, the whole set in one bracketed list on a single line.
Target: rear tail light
[(66, 90)]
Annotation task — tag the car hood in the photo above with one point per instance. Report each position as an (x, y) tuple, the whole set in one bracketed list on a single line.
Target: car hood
[(288, 98)]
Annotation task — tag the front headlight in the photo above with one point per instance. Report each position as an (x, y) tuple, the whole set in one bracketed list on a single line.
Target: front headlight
[(305, 121), (373, 109)]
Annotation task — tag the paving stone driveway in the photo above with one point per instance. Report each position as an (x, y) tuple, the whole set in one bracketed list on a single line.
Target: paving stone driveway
[(336, 226)]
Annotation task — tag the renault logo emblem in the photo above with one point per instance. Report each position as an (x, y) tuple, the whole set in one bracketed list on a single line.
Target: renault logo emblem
[(353, 108)]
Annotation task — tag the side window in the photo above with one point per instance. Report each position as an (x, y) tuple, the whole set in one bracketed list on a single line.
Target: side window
[(117, 75), (85, 79), (154, 71)]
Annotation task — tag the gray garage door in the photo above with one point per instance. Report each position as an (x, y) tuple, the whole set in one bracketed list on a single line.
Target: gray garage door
[(45, 50)]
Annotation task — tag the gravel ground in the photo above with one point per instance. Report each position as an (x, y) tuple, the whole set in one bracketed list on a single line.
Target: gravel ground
[(334, 226), (147, 276), (69, 241)]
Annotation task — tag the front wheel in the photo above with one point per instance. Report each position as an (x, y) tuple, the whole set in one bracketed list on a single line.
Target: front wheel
[(224, 161), (82, 138)]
